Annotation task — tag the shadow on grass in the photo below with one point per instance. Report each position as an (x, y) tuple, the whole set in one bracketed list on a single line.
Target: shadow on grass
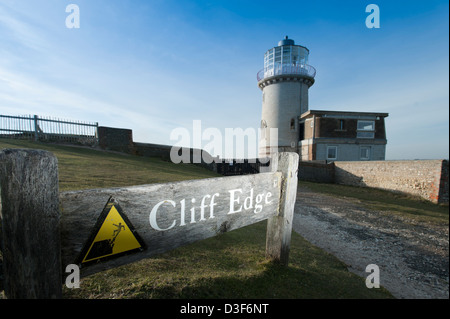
[(274, 282)]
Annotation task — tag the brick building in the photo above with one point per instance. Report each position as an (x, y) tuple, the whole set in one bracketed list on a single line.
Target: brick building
[(342, 136)]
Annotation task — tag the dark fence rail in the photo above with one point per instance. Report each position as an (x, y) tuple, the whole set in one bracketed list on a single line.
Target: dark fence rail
[(230, 167), (48, 129)]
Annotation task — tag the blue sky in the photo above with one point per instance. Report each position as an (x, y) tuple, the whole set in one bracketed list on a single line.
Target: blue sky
[(155, 65)]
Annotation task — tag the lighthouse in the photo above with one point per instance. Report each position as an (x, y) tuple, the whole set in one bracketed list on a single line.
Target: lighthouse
[(284, 81)]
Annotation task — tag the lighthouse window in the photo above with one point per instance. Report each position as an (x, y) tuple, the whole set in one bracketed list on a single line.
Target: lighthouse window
[(263, 124), (292, 124)]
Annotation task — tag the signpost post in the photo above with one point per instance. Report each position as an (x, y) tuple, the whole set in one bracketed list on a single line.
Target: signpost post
[(30, 232)]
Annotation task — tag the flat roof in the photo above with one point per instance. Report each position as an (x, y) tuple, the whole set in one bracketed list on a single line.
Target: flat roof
[(342, 114)]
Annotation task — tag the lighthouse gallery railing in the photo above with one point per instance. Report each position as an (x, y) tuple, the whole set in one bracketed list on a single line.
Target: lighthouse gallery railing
[(302, 69)]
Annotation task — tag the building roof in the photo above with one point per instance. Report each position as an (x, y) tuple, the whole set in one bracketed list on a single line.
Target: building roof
[(343, 114)]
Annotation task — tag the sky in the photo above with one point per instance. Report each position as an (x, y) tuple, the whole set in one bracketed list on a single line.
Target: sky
[(157, 65)]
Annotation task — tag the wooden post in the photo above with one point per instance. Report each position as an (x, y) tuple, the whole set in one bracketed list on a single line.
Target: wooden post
[(30, 224), (279, 228)]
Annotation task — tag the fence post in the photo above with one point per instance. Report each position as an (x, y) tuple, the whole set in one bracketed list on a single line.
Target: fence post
[(279, 228), (36, 131), (30, 224), (97, 136)]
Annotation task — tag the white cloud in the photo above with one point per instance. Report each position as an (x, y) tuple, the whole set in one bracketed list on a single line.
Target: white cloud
[(19, 32), (25, 95)]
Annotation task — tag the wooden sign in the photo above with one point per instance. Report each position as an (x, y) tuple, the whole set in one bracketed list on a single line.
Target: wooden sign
[(167, 216)]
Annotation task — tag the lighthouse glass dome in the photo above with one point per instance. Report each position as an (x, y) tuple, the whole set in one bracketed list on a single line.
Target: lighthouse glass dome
[(286, 58)]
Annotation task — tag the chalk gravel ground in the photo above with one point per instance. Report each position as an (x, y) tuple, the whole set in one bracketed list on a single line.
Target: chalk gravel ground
[(413, 257)]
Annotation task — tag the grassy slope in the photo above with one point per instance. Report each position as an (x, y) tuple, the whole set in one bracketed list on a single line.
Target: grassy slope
[(231, 265), (85, 168)]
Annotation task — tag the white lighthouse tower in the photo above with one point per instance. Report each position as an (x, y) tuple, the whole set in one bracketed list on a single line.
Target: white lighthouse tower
[(284, 81)]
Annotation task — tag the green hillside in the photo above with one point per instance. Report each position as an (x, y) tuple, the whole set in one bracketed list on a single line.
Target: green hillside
[(231, 265), (84, 168)]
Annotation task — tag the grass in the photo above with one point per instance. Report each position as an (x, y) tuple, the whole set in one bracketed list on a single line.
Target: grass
[(231, 265), (85, 168), (411, 208)]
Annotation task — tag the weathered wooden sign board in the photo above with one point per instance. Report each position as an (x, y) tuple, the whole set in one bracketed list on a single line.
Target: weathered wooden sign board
[(167, 216), (100, 229)]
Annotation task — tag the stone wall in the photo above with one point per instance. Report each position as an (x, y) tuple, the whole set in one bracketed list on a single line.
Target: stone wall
[(425, 178), (316, 172), (443, 189), (115, 139), (152, 150)]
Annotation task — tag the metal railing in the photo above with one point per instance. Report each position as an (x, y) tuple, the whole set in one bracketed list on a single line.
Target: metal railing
[(286, 69), (48, 129)]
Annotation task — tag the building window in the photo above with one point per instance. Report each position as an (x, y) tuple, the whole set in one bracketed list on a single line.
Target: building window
[(341, 125), (366, 129), (263, 129), (365, 153), (366, 125), (331, 152), (292, 124), (263, 124)]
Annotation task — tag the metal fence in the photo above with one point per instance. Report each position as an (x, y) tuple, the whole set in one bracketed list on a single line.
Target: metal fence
[(230, 167), (48, 129)]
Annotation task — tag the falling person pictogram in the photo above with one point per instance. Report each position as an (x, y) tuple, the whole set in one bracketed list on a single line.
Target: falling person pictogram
[(106, 241)]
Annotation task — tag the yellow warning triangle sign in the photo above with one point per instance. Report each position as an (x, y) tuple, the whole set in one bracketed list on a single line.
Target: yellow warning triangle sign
[(112, 236)]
